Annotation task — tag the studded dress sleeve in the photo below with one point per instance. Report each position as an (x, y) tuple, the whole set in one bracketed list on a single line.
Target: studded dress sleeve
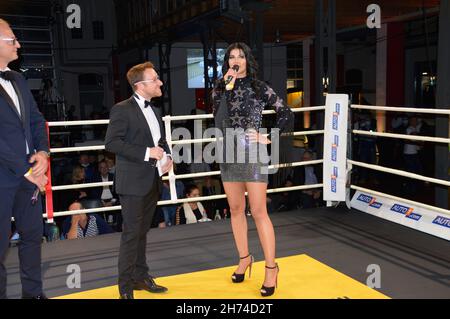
[(284, 115)]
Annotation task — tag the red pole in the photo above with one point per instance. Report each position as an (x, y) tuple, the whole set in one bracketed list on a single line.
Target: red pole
[(48, 187)]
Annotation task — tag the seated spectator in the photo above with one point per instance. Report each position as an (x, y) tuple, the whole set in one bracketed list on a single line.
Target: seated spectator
[(93, 161), (285, 201), (211, 186), (191, 212), (105, 193), (169, 211), (82, 225), (79, 177), (66, 197), (89, 170), (111, 162), (308, 175)]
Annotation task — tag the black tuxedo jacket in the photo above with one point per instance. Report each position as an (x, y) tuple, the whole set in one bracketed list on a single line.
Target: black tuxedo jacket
[(128, 136)]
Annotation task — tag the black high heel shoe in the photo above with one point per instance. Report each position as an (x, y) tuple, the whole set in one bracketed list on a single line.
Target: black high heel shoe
[(269, 291), (236, 278)]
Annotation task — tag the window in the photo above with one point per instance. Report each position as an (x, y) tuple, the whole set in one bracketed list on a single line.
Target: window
[(97, 27), (295, 66)]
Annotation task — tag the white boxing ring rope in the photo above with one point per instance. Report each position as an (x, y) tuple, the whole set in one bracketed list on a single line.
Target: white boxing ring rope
[(406, 137), (169, 119), (181, 176), (398, 172)]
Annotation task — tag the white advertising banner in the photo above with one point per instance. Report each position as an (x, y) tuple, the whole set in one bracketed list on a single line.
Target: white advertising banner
[(335, 147), (422, 219)]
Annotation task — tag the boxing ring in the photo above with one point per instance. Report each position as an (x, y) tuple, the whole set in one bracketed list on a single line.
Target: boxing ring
[(339, 240)]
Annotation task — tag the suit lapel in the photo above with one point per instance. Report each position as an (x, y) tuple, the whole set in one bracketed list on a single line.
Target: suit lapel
[(21, 103), (142, 120), (8, 99), (157, 112)]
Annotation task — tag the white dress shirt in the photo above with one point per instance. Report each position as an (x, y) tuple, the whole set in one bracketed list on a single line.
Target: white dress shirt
[(155, 129), (106, 194), (9, 88)]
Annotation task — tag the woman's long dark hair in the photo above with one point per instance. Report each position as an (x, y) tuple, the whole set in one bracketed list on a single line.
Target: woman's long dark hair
[(252, 67)]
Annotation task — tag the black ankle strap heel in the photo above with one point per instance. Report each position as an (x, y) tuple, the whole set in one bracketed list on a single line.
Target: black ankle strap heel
[(269, 291), (237, 278)]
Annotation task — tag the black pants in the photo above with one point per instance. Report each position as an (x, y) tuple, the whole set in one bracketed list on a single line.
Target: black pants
[(137, 213), (16, 202)]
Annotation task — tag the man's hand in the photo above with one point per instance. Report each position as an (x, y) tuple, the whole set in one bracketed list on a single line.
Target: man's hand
[(156, 152), (40, 160), (166, 167), (39, 181)]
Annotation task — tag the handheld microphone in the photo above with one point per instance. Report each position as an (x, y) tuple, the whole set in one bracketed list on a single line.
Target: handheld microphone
[(162, 142), (228, 85)]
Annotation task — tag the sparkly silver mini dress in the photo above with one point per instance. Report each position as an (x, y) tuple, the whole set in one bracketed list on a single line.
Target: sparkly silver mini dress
[(235, 113)]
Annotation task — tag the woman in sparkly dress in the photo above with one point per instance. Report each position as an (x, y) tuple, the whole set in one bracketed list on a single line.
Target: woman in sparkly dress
[(238, 101)]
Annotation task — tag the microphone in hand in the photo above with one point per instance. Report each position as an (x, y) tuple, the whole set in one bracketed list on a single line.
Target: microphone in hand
[(229, 85), (162, 142)]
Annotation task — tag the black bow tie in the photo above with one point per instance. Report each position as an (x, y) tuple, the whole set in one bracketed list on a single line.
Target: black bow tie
[(5, 75), (149, 103)]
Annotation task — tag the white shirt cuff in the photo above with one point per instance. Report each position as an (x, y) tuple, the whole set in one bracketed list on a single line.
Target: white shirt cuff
[(147, 155)]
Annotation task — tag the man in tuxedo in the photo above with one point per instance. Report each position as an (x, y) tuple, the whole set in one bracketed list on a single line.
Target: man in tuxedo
[(136, 135), (23, 164)]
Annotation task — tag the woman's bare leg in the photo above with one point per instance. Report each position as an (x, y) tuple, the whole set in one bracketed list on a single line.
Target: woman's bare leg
[(258, 206), (236, 200)]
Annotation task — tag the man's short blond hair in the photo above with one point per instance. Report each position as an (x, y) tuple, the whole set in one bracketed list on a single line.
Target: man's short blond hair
[(135, 74), (4, 22)]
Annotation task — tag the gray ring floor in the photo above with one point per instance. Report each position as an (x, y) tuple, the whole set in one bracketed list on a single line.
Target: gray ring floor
[(413, 264)]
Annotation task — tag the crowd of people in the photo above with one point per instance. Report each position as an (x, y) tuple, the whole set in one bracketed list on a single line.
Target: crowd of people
[(98, 167), (403, 154), (94, 167)]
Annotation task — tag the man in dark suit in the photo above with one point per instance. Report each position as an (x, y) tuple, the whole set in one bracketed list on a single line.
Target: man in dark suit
[(136, 135), (23, 164), (106, 194)]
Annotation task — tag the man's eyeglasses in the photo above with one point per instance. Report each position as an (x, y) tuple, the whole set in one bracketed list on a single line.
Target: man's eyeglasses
[(149, 80), (11, 41)]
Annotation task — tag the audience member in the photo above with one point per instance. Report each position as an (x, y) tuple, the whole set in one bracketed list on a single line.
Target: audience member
[(169, 211), (89, 170), (191, 212), (308, 175), (82, 225)]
